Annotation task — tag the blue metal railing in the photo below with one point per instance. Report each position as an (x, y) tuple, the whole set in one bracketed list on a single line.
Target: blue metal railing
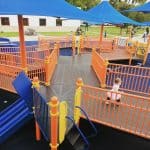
[(80, 132), (90, 122)]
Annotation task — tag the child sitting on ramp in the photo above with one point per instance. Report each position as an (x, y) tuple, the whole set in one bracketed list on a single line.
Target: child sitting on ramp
[(113, 95)]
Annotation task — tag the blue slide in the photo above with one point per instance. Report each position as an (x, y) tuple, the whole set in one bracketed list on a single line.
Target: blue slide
[(17, 114)]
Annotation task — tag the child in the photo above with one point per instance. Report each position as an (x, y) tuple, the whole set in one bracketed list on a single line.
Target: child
[(144, 36), (113, 95)]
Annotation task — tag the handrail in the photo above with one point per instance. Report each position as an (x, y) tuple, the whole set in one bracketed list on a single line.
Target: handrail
[(86, 115), (80, 132)]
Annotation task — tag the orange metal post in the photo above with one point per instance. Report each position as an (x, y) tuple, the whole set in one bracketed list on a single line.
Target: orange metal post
[(47, 67), (148, 40), (77, 100), (130, 33), (58, 48), (22, 43), (101, 33), (35, 84), (73, 44), (54, 114)]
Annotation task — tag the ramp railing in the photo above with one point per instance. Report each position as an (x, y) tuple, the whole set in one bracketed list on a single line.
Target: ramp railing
[(130, 115), (135, 79), (94, 130), (99, 65)]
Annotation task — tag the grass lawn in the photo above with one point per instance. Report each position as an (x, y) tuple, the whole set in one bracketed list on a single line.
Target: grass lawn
[(92, 31), (111, 31), (9, 34)]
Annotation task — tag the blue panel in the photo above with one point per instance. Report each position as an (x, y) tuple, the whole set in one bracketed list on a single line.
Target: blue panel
[(65, 52), (133, 81), (147, 63), (42, 113), (23, 86)]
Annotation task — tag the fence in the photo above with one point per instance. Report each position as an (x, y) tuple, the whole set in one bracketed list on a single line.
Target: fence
[(40, 63), (7, 75), (134, 79), (87, 44), (49, 42), (132, 114), (17, 49)]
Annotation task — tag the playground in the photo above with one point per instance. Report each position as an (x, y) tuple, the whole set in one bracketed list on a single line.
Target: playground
[(54, 91)]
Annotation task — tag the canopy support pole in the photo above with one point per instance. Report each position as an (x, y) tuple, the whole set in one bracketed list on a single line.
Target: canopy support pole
[(101, 33), (22, 43)]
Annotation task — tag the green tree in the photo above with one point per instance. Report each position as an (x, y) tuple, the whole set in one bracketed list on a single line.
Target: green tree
[(84, 4)]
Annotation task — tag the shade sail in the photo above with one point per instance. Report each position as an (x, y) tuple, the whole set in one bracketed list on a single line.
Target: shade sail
[(107, 13), (146, 23), (55, 8), (142, 8)]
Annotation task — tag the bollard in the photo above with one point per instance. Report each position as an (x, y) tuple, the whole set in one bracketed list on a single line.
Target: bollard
[(54, 115), (77, 99), (47, 62), (35, 84)]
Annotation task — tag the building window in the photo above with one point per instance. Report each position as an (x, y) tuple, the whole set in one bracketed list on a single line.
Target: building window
[(42, 22), (25, 21), (5, 21), (58, 22)]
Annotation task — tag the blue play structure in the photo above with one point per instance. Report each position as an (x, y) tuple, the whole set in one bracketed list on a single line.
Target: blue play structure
[(65, 52), (77, 138), (7, 46), (5, 42), (16, 115)]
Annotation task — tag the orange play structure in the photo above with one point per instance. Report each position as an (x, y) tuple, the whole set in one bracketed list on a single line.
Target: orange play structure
[(130, 115)]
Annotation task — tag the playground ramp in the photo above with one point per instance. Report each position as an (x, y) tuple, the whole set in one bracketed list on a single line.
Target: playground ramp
[(68, 70), (20, 111), (62, 85)]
